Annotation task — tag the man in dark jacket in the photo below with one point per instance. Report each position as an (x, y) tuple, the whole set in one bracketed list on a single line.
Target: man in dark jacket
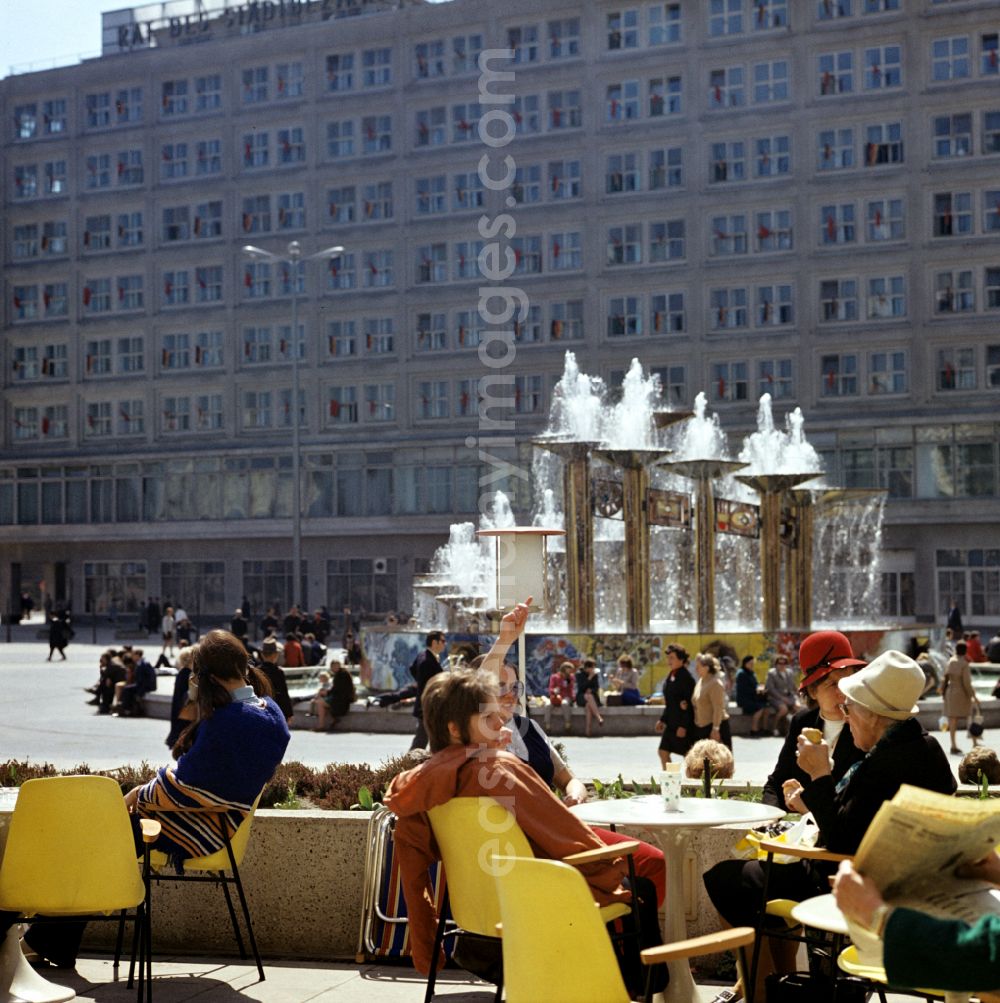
[(424, 668), (276, 677)]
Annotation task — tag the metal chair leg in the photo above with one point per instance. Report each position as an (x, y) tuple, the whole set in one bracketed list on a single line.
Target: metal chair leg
[(119, 940), (438, 940), (237, 933), (750, 988)]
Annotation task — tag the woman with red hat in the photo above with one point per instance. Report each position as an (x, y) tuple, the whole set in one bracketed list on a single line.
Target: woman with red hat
[(825, 658)]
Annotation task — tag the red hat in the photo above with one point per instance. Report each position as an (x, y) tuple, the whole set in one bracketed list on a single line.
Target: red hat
[(823, 651)]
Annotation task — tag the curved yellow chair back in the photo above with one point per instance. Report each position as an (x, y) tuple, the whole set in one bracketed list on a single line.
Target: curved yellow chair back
[(70, 850), (218, 861), (555, 945), (849, 961), (470, 833)]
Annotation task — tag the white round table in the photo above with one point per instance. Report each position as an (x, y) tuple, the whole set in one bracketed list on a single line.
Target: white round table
[(672, 830), (821, 913)]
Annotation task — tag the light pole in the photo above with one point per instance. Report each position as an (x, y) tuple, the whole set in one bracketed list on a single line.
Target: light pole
[(293, 257)]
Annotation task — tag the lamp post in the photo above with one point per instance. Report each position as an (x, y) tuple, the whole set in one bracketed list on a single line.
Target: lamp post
[(293, 257)]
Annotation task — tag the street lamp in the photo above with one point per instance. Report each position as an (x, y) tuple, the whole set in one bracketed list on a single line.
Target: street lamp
[(293, 257)]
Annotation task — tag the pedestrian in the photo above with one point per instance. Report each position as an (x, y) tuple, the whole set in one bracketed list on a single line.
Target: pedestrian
[(60, 633), (781, 692), (167, 627), (424, 668), (676, 724)]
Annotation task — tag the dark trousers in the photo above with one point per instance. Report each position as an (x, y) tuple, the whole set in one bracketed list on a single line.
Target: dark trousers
[(420, 736), (631, 966), (736, 886)]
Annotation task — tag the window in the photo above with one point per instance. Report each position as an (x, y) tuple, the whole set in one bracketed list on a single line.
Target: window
[(25, 241), (97, 233), (991, 132), (564, 179), (98, 420), (378, 333), (726, 88), (432, 332), (258, 409), (666, 241), (664, 20), (886, 297), (55, 177), (956, 369), (25, 121), (340, 72), (25, 302), (667, 315), (208, 412), (770, 82), (768, 14), (255, 89), (465, 121), (130, 292), (666, 168), (952, 214), (208, 220), (527, 187), (524, 41), (621, 101), (673, 382), (728, 162), (256, 150), (565, 251), (774, 377), (98, 110), (173, 161), (774, 305), (432, 195), (623, 29), (343, 405), (208, 284), (54, 240), (54, 117), (887, 372), (729, 235), (432, 126), (128, 105), (950, 58), (208, 93), (130, 167), (26, 181), (953, 135), (433, 399), (432, 263), (773, 230), (466, 258), (725, 17), (289, 81), (527, 255), (664, 96), (991, 211), (622, 173), (837, 224), (469, 329), (97, 296), (728, 309), (835, 149), (838, 300), (565, 109), (98, 171), (730, 382), (564, 38), (465, 51), (992, 366), (97, 360), (176, 288), (341, 338), (429, 58), (378, 269), (341, 272), (527, 327), (208, 348), (566, 321), (883, 67), (176, 352), (176, 224), (992, 288), (340, 139), (840, 375), (836, 73), (528, 398), (884, 144), (624, 316), (174, 98), (291, 146), (341, 204), (772, 156), (130, 417), (989, 65), (291, 210), (380, 401), (955, 292), (55, 299), (527, 114), (376, 131), (625, 244), (208, 156)]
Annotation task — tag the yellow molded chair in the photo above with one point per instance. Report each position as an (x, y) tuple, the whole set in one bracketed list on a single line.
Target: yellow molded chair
[(555, 945), (470, 832), (220, 868), (70, 853), (781, 908)]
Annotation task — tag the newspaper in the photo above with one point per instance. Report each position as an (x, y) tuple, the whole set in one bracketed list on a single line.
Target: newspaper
[(913, 846)]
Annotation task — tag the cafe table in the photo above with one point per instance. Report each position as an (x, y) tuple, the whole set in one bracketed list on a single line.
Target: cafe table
[(19, 982), (671, 831)]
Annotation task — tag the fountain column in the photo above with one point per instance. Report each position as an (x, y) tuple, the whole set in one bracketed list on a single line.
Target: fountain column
[(579, 522), (703, 472), (799, 562), (771, 488), (635, 464)]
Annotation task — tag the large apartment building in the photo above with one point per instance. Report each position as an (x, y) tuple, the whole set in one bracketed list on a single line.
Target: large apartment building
[(800, 198)]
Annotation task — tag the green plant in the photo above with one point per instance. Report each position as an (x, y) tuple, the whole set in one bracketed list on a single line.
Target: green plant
[(291, 801), (984, 787), (615, 791)]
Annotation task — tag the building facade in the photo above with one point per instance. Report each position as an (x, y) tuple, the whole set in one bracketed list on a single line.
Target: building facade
[(793, 198)]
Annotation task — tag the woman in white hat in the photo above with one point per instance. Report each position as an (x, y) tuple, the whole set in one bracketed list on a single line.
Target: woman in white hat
[(879, 703)]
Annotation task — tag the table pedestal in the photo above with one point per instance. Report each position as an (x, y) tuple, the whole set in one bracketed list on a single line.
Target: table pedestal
[(19, 982), (674, 844)]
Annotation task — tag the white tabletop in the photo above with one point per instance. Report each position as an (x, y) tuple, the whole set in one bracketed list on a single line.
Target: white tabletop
[(821, 913), (8, 798), (695, 813)]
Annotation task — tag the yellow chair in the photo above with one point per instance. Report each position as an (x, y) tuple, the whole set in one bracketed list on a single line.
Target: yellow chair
[(213, 868), (70, 854), (470, 832), (555, 945)]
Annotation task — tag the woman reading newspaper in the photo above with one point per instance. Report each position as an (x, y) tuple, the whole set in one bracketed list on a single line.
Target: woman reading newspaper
[(924, 950)]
